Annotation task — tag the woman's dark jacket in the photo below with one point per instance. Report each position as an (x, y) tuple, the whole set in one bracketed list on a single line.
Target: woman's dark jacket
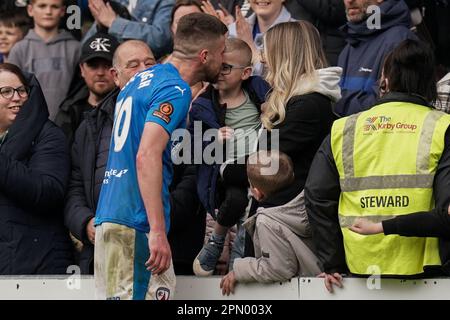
[(34, 171)]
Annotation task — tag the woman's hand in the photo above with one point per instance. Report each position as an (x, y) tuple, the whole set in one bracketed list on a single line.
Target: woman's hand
[(366, 227)]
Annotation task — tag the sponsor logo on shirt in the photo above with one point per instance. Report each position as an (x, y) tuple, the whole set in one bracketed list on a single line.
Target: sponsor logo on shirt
[(114, 173)]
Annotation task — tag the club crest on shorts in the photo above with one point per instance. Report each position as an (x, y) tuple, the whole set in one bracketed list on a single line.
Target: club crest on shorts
[(162, 293), (164, 112)]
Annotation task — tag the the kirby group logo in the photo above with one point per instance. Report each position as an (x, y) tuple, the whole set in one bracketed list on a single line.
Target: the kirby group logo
[(370, 124), (386, 124)]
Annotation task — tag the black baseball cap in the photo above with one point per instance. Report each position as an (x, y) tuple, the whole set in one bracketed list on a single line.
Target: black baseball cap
[(100, 45)]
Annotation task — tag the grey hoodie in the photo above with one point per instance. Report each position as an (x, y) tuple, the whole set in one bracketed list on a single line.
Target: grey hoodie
[(53, 63), (282, 239), (326, 82)]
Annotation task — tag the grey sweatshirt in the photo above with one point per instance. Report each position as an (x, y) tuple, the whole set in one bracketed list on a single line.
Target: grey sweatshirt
[(282, 239), (53, 63)]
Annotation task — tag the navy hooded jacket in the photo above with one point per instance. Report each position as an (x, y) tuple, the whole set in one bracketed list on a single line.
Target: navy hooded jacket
[(208, 110), (363, 57), (34, 170)]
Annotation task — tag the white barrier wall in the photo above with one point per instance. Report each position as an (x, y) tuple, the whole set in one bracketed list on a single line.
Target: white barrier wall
[(192, 288)]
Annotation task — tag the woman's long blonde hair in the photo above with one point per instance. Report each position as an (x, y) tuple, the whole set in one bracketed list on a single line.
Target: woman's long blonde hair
[(293, 51)]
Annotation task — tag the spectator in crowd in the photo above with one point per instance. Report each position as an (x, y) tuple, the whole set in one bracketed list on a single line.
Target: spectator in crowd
[(95, 64), (51, 54), (34, 170), (219, 10), (443, 90), (151, 22), (436, 17), (266, 15), (366, 49), (281, 232), (443, 101), (142, 268), (90, 151), (225, 10), (385, 162), (233, 107), (327, 16), (182, 8), (302, 115), (14, 26)]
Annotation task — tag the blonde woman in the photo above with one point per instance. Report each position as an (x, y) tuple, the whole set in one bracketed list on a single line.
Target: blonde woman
[(304, 89)]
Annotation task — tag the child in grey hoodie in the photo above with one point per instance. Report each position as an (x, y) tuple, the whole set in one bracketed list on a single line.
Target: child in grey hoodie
[(281, 233), (51, 54)]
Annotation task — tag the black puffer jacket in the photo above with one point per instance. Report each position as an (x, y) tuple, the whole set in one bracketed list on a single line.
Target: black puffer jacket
[(34, 171), (89, 157)]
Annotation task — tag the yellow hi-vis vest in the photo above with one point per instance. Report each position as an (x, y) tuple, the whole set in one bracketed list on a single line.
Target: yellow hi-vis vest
[(387, 158)]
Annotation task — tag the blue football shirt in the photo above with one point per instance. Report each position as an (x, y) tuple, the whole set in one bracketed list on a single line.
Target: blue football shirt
[(158, 95)]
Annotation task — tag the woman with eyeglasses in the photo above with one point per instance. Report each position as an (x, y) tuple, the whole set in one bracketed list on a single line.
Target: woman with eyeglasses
[(34, 169)]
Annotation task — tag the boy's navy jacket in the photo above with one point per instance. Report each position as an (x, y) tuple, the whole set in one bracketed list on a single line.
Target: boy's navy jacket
[(363, 57), (211, 113)]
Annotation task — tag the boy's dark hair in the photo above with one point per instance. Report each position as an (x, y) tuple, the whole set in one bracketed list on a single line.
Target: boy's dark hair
[(17, 17), (184, 3), (410, 68), (274, 182), (197, 31)]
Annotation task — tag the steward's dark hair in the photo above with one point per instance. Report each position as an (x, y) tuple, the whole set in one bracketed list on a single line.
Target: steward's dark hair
[(410, 68)]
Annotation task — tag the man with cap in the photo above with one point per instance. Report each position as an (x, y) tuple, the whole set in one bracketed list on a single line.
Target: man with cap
[(95, 64)]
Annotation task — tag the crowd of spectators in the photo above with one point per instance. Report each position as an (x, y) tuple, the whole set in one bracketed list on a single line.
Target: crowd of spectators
[(298, 73)]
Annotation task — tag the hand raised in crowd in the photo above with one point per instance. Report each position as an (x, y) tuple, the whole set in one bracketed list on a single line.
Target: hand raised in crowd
[(90, 231), (221, 13), (103, 13), (366, 227), (225, 133), (244, 32), (228, 283), (330, 279), (160, 254)]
